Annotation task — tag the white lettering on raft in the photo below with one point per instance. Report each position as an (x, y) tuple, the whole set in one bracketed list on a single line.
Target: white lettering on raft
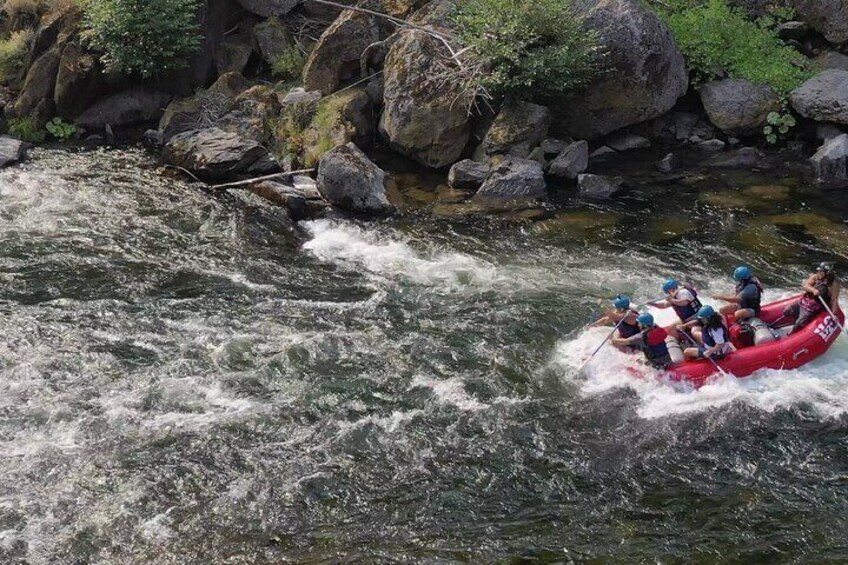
[(826, 329)]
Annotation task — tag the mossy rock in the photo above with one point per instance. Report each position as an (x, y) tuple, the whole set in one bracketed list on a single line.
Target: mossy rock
[(765, 242), (578, 223), (727, 200), (828, 232), (768, 192), (667, 229)]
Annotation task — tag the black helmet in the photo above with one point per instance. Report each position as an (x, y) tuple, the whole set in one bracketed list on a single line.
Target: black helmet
[(825, 267)]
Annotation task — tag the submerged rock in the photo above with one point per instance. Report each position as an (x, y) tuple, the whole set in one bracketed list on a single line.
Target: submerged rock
[(212, 153), (745, 157), (831, 161), (467, 175), (738, 107), (628, 142), (514, 178), (571, 162), (11, 151), (648, 73), (423, 117), (598, 186), (518, 128), (668, 163), (350, 181), (823, 98)]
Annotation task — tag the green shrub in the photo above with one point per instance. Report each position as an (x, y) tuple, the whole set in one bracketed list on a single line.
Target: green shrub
[(778, 125), (146, 37), (528, 48), (27, 129), (290, 64), (60, 129), (718, 40), (13, 51)]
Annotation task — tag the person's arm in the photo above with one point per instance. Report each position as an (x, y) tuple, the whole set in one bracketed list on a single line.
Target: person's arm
[(678, 301), (688, 325), (809, 286), (632, 340), (727, 297), (661, 304)]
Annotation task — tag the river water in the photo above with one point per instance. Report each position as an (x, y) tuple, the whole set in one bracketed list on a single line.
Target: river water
[(182, 381)]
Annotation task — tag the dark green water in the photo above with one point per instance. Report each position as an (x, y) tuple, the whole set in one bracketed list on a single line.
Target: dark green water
[(181, 382)]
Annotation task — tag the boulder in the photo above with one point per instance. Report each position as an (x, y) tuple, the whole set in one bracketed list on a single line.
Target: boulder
[(738, 106), (212, 153), (571, 162), (711, 146), (668, 163), (829, 17), (423, 117), (125, 108), (341, 119), (514, 178), (11, 151), (467, 175), (335, 57), (518, 128), (36, 96), (831, 161), (251, 112), (267, 8), (79, 81), (272, 39), (743, 158), (628, 142), (831, 60), (203, 109), (602, 152), (597, 186), (299, 95), (350, 181), (233, 54), (826, 132), (648, 73), (823, 98)]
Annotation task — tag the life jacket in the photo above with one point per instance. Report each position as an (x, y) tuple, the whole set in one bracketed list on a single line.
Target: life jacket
[(747, 303), (711, 326), (654, 347), (626, 330), (686, 312), (811, 303)]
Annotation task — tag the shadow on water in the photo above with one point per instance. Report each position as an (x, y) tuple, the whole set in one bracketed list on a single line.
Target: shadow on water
[(183, 381)]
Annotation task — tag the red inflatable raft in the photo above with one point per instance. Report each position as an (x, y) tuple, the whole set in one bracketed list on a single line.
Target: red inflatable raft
[(788, 352)]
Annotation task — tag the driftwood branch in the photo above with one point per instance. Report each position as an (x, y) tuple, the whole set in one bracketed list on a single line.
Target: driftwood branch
[(397, 21), (248, 182)]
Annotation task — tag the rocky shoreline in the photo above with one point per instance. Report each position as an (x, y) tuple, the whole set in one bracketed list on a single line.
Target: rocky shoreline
[(373, 85)]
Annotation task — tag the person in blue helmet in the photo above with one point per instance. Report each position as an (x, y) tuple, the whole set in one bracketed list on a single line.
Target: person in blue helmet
[(622, 311), (746, 302), (682, 298), (713, 336), (650, 339)]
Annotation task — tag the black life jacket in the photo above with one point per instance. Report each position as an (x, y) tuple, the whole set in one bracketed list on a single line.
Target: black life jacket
[(654, 347), (686, 312), (752, 304), (626, 330), (716, 322)]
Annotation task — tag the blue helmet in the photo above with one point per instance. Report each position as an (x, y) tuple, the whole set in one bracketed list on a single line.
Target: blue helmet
[(645, 319), (621, 302), (670, 285), (742, 273), (706, 313)]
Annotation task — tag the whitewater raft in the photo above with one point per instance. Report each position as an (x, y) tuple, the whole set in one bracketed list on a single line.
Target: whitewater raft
[(787, 352)]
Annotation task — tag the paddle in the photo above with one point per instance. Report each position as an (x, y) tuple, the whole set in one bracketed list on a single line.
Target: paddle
[(713, 361), (829, 311)]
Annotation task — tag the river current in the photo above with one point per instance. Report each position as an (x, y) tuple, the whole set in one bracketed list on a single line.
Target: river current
[(182, 381)]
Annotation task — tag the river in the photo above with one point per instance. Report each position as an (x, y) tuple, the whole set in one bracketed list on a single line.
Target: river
[(182, 381)]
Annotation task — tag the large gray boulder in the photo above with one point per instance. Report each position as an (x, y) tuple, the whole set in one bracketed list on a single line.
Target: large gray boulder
[(423, 117), (514, 179), (647, 74), (349, 180), (335, 57), (518, 128), (266, 8), (597, 186), (125, 108), (831, 161), (467, 175), (571, 162), (738, 106), (272, 39), (830, 17), (213, 154), (11, 151), (823, 98), (831, 60)]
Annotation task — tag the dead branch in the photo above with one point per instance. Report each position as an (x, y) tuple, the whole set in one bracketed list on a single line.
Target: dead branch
[(260, 179)]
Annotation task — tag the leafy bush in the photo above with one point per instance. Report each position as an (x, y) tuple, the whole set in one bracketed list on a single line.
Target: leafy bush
[(290, 64), (143, 36), (528, 48), (12, 54), (778, 125), (60, 129), (718, 39), (27, 129)]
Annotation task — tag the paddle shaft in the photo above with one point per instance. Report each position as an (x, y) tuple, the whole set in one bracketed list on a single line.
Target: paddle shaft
[(711, 360), (606, 339), (832, 315)]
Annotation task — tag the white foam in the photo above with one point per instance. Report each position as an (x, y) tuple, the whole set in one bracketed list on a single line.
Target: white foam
[(449, 391)]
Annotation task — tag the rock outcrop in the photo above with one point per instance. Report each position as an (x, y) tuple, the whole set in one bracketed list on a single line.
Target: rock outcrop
[(823, 98), (11, 151), (514, 179), (571, 162), (272, 39), (350, 181), (125, 108), (423, 117), (648, 73), (739, 107), (79, 80), (830, 17), (831, 162), (36, 96), (517, 129), (213, 154)]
